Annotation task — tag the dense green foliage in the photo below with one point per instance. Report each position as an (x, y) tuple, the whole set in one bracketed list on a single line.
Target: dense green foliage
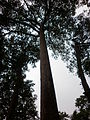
[(24, 19), (83, 112), (60, 27), (15, 56), (63, 116), (25, 108), (78, 31)]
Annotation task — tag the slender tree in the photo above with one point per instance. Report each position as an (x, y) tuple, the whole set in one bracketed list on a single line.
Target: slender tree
[(80, 47), (76, 50), (81, 72), (48, 101)]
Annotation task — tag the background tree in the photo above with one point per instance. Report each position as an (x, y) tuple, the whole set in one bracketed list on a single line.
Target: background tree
[(15, 61), (82, 51), (81, 73), (77, 56)]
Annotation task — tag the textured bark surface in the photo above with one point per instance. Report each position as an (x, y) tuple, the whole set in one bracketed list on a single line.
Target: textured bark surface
[(81, 73), (49, 109)]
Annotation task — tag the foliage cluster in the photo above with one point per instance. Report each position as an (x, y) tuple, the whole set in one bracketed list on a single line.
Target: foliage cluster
[(83, 112)]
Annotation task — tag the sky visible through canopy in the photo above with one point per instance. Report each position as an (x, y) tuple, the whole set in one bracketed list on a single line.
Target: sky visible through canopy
[(67, 85)]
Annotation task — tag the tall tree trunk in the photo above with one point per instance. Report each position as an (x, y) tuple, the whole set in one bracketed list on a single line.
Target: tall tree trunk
[(81, 73), (49, 109)]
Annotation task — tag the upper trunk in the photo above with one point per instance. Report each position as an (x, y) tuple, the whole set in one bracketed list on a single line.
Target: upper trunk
[(81, 73), (49, 109)]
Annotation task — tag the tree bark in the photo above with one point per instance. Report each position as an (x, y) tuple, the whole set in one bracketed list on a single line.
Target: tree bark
[(49, 110), (81, 73)]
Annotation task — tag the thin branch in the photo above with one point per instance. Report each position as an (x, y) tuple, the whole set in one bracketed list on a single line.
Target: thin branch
[(34, 22), (23, 23), (17, 31), (83, 44), (31, 12)]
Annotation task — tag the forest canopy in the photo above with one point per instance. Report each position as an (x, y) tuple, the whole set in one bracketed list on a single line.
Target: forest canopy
[(24, 23)]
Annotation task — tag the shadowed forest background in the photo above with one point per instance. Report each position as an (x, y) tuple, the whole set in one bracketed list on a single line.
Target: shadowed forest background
[(27, 29)]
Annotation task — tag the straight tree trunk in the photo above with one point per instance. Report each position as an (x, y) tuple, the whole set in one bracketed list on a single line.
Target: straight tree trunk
[(49, 109), (81, 73)]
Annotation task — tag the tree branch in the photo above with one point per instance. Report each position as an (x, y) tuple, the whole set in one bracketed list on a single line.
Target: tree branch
[(33, 22), (17, 31), (21, 22), (31, 12)]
